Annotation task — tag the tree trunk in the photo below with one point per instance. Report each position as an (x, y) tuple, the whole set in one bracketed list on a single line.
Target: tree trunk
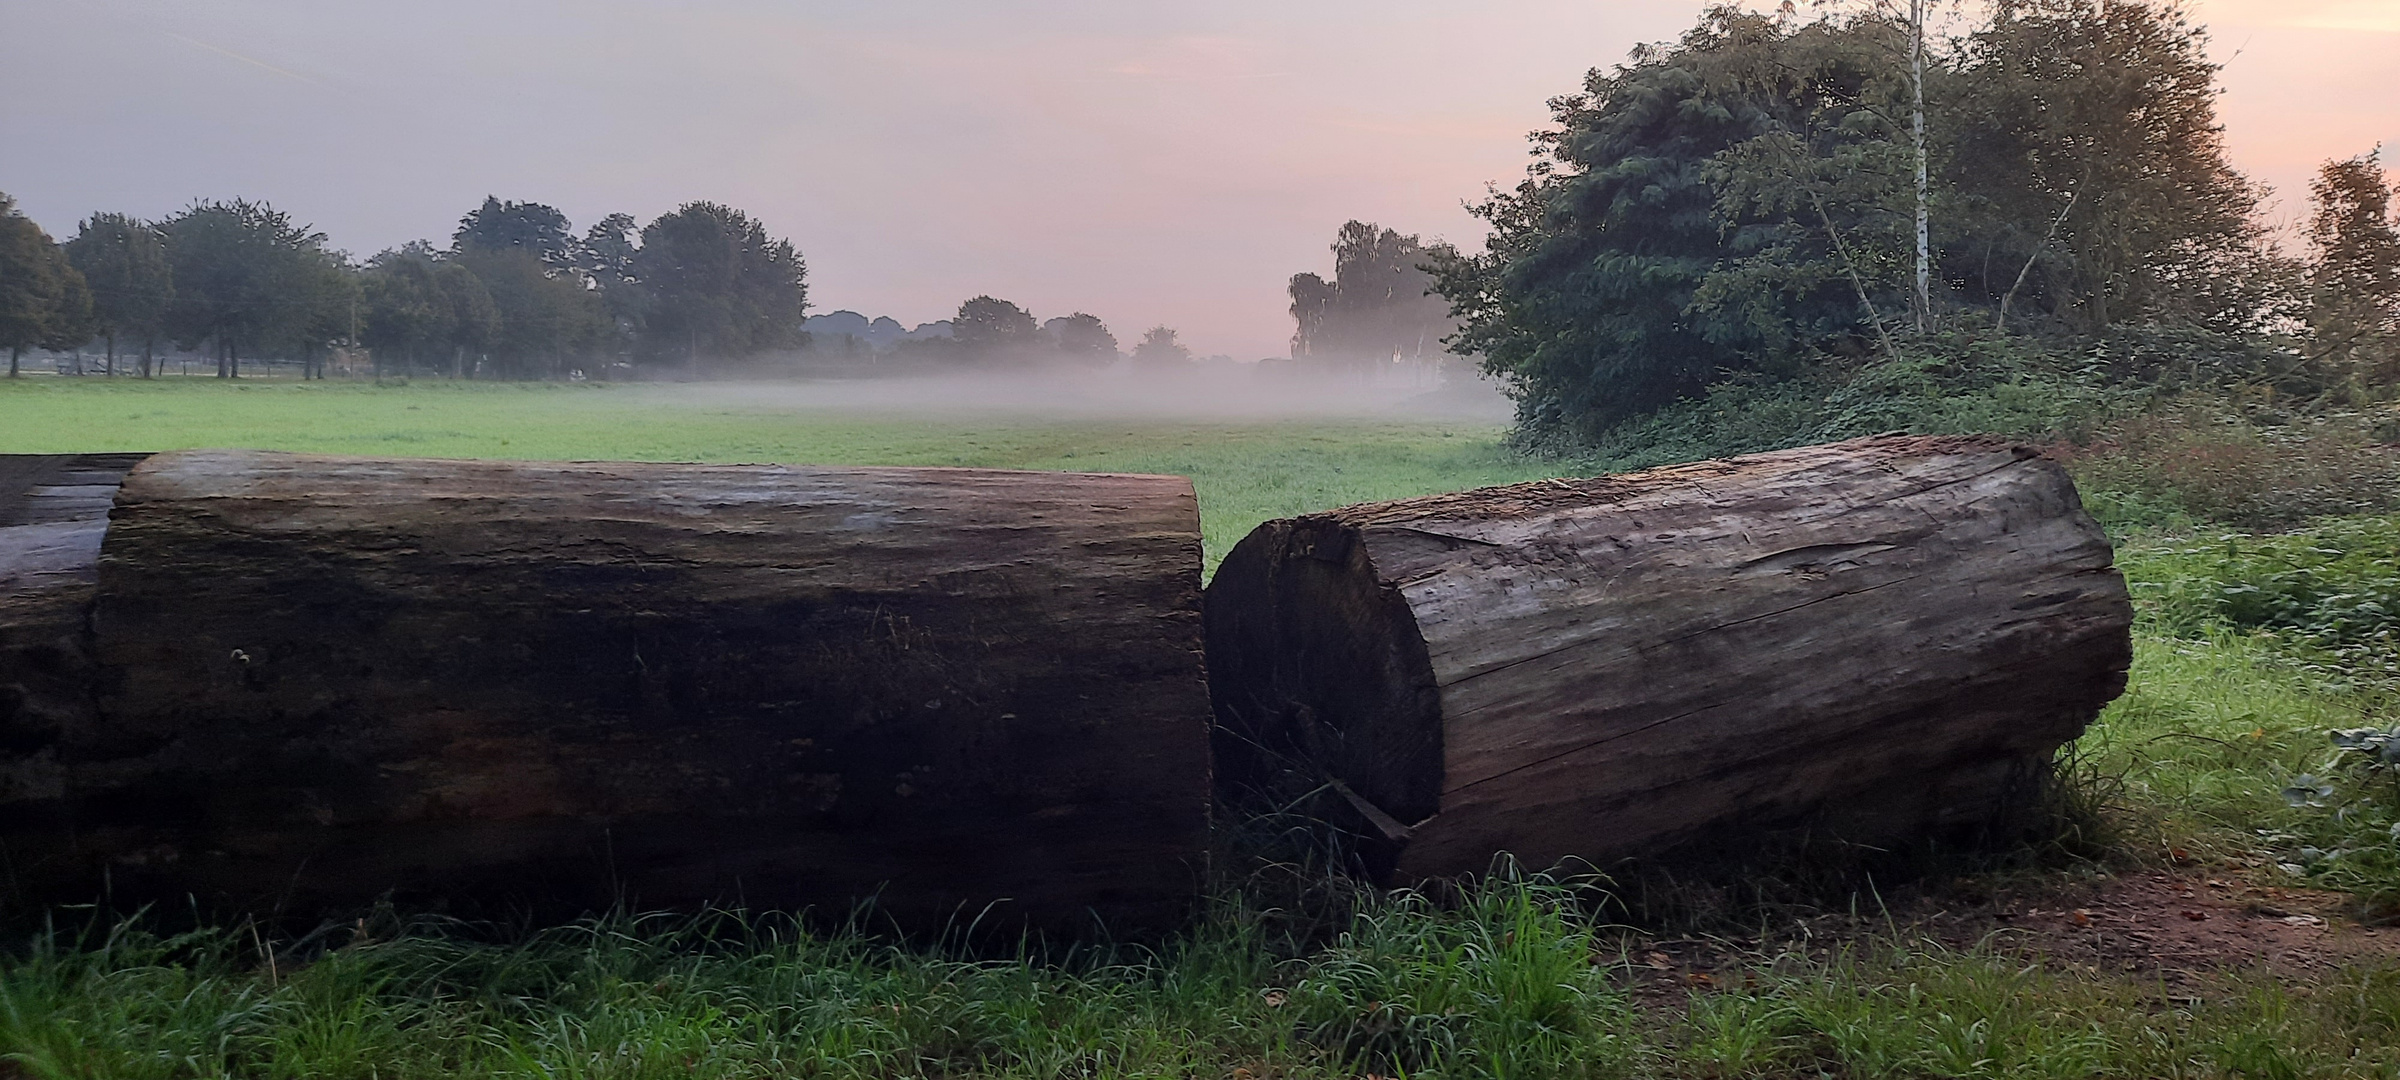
[(1881, 640), (561, 685)]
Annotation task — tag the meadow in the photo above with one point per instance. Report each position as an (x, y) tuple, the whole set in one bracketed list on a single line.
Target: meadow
[(2218, 774)]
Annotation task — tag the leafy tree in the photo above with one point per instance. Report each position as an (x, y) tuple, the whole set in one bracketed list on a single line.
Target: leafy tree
[(124, 260), (987, 328), (248, 278), (2354, 308), (714, 283), (537, 230), (43, 299), (2088, 174), (608, 254), (415, 307), (541, 317), (1589, 294), (1160, 351), (1744, 203), (1082, 338), (1380, 305)]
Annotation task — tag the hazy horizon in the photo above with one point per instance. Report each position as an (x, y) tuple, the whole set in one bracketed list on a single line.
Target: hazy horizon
[(1145, 165)]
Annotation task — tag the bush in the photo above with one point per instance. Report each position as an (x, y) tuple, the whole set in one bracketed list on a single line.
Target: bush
[(1964, 382), (2241, 463)]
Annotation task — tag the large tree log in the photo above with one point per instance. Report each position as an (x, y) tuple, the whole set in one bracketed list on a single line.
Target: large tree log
[(562, 684), (1882, 639)]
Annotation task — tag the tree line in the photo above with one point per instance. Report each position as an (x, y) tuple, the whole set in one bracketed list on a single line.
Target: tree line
[(989, 333), (516, 293), (1770, 198)]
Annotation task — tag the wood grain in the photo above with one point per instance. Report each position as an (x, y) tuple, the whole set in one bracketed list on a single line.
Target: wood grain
[(562, 684), (1887, 636)]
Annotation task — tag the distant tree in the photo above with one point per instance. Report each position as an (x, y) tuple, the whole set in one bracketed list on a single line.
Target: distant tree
[(415, 306), (2354, 279), (713, 283), (608, 253), (248, 278), (124, 260), (1160, 351), (1380, 306), (537, 230), (987, 328), (1081, 338), (43, 299), (542, 317)]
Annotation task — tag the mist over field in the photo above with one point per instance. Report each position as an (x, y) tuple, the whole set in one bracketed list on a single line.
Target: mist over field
[(1231, 393)]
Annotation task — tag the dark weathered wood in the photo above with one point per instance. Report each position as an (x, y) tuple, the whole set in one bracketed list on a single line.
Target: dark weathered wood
[(557, 684), (1885, 638), (53, 510)]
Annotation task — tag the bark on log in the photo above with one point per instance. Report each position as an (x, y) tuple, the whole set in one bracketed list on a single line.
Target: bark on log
[(560, 684), (1881, 639)]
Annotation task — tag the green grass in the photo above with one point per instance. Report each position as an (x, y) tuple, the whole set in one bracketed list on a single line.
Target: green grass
[(1244, 471), (2249, 651), (1513, 982)]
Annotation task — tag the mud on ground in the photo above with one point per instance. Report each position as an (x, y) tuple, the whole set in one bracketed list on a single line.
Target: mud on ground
[(2176, 926)]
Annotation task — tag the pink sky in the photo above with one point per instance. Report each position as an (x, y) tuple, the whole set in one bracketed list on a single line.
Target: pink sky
[(1145, 162)]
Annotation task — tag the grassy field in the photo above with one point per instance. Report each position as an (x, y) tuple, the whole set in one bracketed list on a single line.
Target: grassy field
[(1244, 471), (2216, 766)]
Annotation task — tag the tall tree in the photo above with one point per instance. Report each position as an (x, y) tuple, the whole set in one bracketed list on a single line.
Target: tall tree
[(248, 278), (416, 307), (43, 299), (1378, 307), (543, 317), (2354, 279), (714, 284), (532, 228), (988, 328), (1161, 351), (1629, 268), (1081, 338), (124, 260), (2088, 171)]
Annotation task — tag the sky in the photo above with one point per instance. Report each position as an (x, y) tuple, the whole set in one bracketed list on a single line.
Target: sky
[(1150, 163)]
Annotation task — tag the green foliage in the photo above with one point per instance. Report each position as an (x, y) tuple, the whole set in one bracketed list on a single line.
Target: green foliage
[(2213, 459), (1592, 293), (2083, 156), (124, 260), (713, 284), (2354, 306), (531, 229), (251, 280), (1738, 208), (543, 317), (43, 298), (2323, 604), (988, 328), (1951, 383), (1379, 306)]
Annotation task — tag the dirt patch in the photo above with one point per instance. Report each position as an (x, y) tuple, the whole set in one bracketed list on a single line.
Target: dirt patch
[(2155, 924), (2175, 922)]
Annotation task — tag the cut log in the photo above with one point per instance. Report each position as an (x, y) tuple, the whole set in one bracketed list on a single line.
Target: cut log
[(53, 510), (559, 685), (1879, 640)]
